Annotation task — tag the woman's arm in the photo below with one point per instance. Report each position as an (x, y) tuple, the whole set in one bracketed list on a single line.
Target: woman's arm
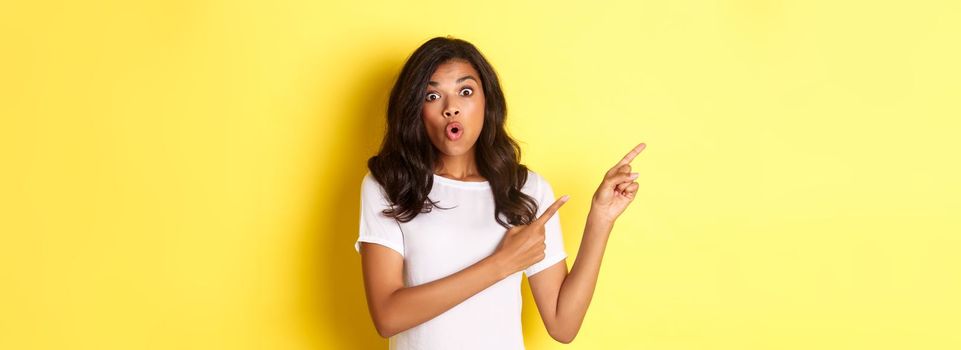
[(395, 308), (563, 298)]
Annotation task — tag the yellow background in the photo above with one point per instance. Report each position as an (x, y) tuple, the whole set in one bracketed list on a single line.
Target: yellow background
[(185, 174)]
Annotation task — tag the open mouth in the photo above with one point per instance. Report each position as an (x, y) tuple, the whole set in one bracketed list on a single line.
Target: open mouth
[(454, 131)]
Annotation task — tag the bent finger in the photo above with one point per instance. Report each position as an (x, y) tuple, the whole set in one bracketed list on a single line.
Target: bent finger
[(617, 169), (621, 178), (630, 190), (621, 187)]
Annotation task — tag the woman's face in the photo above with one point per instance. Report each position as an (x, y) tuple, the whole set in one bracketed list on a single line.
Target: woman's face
[(453, 111)]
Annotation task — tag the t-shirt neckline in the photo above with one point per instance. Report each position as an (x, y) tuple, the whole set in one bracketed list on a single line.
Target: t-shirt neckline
[(458, 183)]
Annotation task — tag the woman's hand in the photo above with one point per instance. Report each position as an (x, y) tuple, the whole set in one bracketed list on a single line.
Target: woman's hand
[(617, 189), (524, 245)]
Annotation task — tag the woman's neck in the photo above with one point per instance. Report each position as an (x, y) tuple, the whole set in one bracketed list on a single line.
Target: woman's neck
[(462, 167)]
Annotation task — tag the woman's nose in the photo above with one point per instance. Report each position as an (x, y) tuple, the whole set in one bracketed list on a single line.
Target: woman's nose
[(450, 113)]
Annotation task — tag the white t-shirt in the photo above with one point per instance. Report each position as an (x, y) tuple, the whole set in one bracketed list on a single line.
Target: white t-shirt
[(442, 242)]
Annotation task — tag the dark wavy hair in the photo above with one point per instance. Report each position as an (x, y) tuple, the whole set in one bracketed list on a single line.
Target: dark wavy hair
[(404, 166)]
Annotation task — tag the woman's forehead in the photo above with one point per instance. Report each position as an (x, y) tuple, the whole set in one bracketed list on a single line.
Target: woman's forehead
[(454, 70)]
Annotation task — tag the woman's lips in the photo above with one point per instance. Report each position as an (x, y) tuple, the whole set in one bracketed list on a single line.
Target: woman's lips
[(454, 131)]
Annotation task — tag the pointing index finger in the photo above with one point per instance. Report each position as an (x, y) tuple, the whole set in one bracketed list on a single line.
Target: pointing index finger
[(551, 210), (633, 153)]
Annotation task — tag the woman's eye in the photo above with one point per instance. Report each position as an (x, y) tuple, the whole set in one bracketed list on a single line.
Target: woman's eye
[(432, 96), (469, 91)]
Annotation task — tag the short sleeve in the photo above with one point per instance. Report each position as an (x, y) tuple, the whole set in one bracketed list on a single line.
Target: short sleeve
[(554, 253), (375, 227)]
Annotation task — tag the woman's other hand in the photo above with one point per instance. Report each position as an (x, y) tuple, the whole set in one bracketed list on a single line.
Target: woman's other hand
[(617, 189)]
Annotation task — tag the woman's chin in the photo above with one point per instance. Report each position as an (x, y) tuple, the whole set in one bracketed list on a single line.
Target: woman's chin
[(452, 149)]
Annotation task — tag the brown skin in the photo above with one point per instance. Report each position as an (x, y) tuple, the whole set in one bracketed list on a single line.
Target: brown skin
[(448, 100), (562, 298)]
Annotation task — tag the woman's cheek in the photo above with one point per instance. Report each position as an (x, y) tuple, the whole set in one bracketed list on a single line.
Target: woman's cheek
[(478, 122)]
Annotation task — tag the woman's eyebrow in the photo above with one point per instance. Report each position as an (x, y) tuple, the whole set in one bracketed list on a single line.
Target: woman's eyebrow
[(434, 83)]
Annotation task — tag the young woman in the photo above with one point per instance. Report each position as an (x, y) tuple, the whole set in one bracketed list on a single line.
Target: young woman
[(450, 218)]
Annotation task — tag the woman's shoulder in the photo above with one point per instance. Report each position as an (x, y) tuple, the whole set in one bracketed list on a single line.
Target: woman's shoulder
[(368, 180), (535, 182), (370, 186)]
